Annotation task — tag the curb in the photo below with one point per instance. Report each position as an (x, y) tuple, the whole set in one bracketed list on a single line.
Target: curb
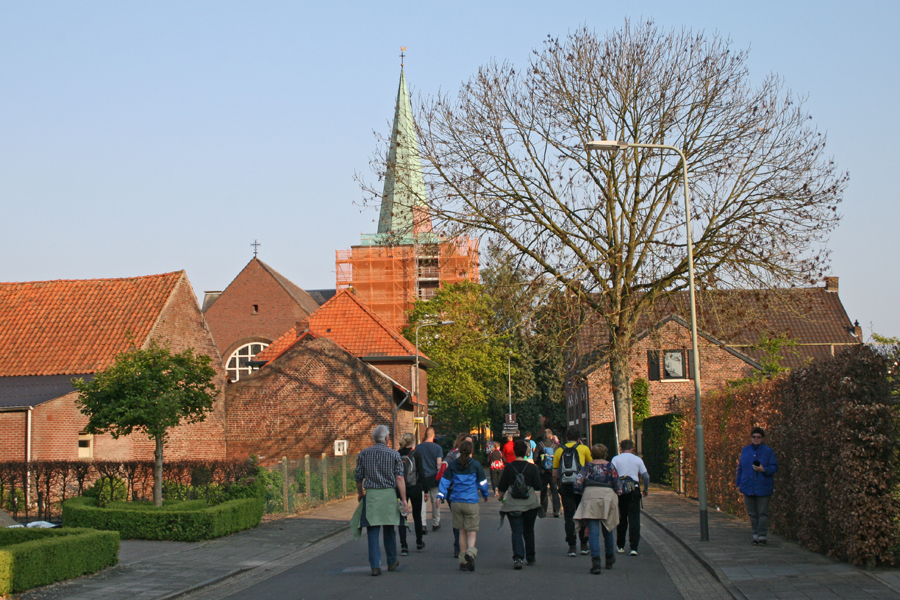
[(220, 578), (713, 570)]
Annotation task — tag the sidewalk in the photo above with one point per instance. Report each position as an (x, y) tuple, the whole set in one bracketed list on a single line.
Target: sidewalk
[(165, 570), (780, 570)]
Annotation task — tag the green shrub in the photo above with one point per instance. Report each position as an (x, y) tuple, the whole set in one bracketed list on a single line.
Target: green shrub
[(107, 489), (34, 557), (185, 521), (167, 505)]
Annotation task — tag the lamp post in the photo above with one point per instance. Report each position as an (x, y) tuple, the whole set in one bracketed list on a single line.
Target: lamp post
[(613, 146), (435, 324)]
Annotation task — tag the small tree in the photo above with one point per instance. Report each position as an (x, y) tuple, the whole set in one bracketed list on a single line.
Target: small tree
[(149, 390)]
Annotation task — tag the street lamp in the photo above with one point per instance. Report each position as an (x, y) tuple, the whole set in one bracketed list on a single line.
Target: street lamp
[(435, 324), (614, 146)]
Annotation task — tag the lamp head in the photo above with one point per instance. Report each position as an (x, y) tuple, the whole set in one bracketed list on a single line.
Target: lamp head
[(606, 145), (446, 322)]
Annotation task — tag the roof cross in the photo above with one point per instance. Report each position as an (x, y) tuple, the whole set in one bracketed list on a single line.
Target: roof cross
[(256, 246), (402, 55)]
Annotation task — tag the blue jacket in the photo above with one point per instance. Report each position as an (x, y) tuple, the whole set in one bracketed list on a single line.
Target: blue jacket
[(463, 483), (750, 482)]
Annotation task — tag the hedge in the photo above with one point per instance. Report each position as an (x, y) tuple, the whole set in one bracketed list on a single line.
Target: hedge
[(35, 557), (173, 523)]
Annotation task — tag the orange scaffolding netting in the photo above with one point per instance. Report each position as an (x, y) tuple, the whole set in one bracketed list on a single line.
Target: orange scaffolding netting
[(390, 278)]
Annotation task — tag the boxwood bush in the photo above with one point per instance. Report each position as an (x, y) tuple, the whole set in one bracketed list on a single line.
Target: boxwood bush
[(180, 521), (34, 557)]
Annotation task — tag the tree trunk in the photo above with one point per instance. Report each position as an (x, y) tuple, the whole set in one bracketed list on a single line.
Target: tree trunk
[(620, 373), (157, 472)]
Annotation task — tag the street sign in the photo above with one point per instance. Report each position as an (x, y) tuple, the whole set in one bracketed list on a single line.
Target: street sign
[(510, 427), (510, 418), (418, 419)]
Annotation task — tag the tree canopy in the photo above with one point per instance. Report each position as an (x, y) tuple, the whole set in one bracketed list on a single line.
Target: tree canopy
[(149, 390), (506, 157)]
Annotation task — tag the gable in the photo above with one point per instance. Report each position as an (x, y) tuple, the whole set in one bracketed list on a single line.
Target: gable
[(70, 327)]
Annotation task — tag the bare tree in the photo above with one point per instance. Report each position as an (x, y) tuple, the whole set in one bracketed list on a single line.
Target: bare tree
[(506, 158)]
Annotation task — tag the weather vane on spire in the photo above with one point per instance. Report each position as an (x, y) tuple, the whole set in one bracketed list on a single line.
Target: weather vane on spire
[(402, 55), (256, 246)]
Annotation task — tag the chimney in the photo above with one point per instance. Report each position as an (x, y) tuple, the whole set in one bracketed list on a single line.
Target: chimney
[(857, 331), (301, 327), (831, 284)]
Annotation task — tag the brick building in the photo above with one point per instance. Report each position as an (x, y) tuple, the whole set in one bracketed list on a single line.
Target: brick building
[(729, 329), (334, 375), (257, 307), (52, 331)]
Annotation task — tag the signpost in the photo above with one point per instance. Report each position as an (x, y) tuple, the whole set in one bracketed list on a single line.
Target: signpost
[(510, 427)]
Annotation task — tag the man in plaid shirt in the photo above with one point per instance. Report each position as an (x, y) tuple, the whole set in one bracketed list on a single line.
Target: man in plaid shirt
[(379, 477)]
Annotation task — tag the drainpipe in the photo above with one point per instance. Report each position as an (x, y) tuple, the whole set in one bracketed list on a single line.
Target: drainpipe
[(396, 408), (28, 454)]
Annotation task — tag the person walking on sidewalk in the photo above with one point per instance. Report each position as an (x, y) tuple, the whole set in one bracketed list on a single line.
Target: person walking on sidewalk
[(412, 473), (632, 471), (567, 462), (520, 503), (546, 448), (496, 463), (755, 472), (461, 484), (600, 488), (451, 456), (432, 455), (379, 472)]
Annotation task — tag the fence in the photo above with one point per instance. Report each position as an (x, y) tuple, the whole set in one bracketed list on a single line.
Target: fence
[(37, 489), (296, 485)]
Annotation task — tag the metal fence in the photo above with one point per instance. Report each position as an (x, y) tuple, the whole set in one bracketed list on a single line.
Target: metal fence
[(297, 485)]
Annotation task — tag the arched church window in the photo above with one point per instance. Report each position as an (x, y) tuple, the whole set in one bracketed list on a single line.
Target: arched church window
[(239, 362)]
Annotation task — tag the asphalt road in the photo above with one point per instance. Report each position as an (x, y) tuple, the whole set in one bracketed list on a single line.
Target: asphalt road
[(342, 572)]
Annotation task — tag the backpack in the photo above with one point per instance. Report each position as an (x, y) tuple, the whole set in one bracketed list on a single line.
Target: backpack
[(545, 457), (519, 489), (410, 473), (569, 464)]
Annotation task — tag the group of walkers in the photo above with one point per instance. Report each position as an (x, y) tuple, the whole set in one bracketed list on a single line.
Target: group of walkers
[(599, 498)]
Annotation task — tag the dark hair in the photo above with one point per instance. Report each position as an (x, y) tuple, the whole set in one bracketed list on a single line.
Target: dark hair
[(465, 453), (520, 448), (572, 434), (598, 452), (626, 445), (758, 430), (459, 440), (527, 434)]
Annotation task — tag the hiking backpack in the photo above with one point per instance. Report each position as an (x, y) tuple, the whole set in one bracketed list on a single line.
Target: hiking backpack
[(569, 464), (410, 474), (519, 489), (545, 457)]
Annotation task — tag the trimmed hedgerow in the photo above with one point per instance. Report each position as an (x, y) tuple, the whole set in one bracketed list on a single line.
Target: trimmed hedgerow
[(833, 426), (35, 557), (174, 523)]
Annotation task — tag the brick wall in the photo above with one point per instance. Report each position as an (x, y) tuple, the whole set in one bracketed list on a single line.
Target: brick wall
[(402, 373), (717, 366), (231, 317), (300, 403), (12, 435)]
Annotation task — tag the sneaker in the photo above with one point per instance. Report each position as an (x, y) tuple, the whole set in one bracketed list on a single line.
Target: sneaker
[(572, 551), (530, 563), (755, 542), (463, 567), (404, 551), (376, 572), (420, 546), (633, 553), (585, 548), (393, 566), (556, 515), (620, 550), (435, 527), (517, 564), (470, 562), (762, 541), (425, 530)]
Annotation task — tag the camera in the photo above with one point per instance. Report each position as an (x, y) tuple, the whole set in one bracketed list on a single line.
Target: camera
[(756, 463)]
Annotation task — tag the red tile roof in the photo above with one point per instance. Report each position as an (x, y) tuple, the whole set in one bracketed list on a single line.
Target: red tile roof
[(352, 325), (69, 327)]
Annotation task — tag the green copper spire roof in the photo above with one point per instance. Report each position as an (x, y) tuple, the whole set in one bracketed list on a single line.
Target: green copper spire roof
[(403, 204)]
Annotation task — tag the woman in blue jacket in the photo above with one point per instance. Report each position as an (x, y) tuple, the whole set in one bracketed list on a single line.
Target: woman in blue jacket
[(462, 482), (754, 479)]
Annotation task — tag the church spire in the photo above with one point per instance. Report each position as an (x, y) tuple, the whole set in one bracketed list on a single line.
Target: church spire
[(403, 204)]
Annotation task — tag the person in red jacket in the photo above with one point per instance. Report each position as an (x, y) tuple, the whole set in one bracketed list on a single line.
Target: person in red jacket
[(509, 455)]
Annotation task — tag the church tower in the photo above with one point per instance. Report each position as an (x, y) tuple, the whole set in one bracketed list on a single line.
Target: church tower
[(405, 260)]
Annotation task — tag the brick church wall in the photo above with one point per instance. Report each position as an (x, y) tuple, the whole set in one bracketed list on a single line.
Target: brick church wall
[(233, 321), (308, 397)]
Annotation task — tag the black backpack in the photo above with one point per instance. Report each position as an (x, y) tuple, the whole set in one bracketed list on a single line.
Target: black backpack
[(569, 464), (410, 473), (519, 489)]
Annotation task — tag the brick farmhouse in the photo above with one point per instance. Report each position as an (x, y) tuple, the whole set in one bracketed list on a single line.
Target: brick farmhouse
[(729, 331)]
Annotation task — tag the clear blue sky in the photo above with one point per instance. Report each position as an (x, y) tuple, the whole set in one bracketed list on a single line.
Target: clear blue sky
[(140, 138)]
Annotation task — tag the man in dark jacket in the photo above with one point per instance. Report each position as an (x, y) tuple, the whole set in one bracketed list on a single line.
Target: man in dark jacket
[(754, 480)]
